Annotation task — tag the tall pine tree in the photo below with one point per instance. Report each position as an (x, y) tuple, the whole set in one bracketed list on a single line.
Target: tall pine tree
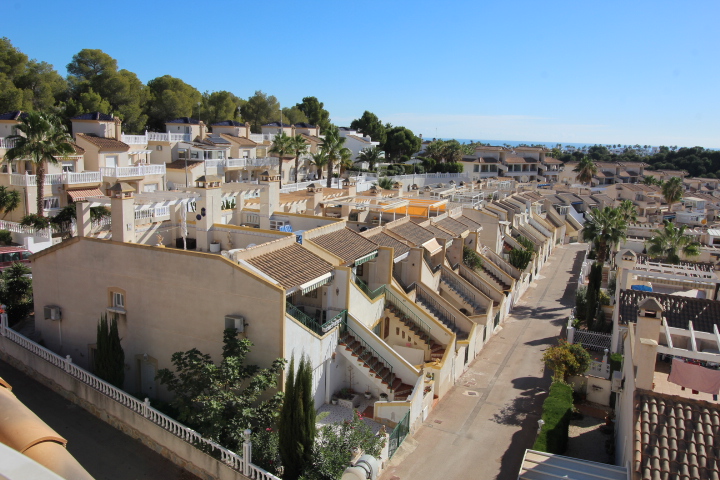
[(109, 354)]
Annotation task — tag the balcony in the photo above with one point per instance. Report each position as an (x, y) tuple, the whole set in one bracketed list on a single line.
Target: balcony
[(168, 137), (152, 214), (262, 137), (6, 142), (135, 139), (134, 171), (67, 178)]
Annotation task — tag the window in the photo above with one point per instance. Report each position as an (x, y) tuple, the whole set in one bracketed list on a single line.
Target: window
[(118, 300), (221, 155), (194, 154), (150, 187), (158, 148), (28, 166), (360, 269), (51, 202), (68, 167), (111, 161), (182, 153), (476, 168), (187, 129)]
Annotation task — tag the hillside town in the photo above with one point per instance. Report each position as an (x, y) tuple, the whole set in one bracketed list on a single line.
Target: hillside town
[(207, 253)]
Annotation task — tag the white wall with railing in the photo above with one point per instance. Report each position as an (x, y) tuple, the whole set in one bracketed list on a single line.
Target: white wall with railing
[(66, 178), (134, 171), (137, 407), (168, 137)]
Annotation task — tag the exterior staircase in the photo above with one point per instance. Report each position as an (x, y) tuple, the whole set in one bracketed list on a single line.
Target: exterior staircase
[(502, 286), (437, 311), (377, 368), (437, 350), (464, 296)]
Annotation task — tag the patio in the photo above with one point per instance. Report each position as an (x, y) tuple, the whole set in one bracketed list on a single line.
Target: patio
[(337, 414)]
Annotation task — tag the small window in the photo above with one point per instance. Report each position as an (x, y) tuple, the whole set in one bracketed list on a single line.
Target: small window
[(150, 187), (158, 148), (68, 167), (51, 202), (360, 269), (118, 300)]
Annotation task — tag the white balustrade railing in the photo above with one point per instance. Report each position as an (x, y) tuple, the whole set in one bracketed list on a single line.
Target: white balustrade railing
[(7, 143), (152, 212), (134, 171), (176, 428), (169, 137), (134, 139), (17, 228), (262, 137), (82, 177), (236, 162), (215, 162)]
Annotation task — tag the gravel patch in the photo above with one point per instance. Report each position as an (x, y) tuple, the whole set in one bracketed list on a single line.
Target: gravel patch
[(587, 440)]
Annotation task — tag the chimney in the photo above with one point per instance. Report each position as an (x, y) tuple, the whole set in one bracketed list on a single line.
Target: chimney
[(207, 210), (269, 197), (83, 219), (203, 131), (122, 210), (647, 335), (118, 129), (315, 197)]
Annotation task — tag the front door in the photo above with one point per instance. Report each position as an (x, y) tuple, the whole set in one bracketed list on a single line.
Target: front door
[(147, 371)]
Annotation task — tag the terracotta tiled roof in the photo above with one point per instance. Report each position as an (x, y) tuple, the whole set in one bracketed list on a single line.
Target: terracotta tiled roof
[(312, 138), (78, 149), (105, 144), (245, 142), (474, 226), (291, 266), (518, 159), (675, 437), (452, 226), (358, 138), (346, 244), (385, 240), (180, 164), (552, 161), (413, 233), (678, 311)]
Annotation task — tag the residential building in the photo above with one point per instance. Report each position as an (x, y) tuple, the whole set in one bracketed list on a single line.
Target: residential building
[(356, 142)]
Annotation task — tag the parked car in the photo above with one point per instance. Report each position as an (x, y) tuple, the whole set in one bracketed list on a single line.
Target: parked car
[(10, 255)]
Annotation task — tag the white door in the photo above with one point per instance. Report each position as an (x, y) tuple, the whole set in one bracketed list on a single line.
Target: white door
[(147, 378), (111, 161)]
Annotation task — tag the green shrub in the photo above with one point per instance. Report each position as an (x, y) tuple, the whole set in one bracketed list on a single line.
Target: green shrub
[(471, 259), (604, 297), (5, 237), (581, 302), (557, 409), (520, 258), (526, 243), (616, 360)]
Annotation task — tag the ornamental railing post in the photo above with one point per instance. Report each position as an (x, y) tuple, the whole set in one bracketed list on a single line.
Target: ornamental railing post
[(247, 453), (67, 363)]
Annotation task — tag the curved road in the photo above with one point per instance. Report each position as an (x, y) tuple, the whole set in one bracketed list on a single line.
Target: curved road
[(481, 428)]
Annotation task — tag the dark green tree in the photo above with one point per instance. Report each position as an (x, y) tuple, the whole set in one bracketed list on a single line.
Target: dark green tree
[(401, 142), (370, 124), (170, 98), (220, 106), (9, 200), (296, 426), (520, 258), (607, 227), (334, 150), (315, 112), (670, 241), (293, 115), (16, 291), (259, 110), (221, 401), (109, 354), (371, 155)]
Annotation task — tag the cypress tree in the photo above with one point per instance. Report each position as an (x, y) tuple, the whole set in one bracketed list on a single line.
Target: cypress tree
[(109, 355), (289, 444), (308, 405)]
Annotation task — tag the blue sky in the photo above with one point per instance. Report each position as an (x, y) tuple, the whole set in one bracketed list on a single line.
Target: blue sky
[(575, 72)]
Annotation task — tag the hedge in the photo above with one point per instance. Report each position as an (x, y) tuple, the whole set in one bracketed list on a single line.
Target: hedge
[(557, 409)]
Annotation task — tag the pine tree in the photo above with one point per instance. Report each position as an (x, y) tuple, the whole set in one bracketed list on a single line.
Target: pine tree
[(109, 354)]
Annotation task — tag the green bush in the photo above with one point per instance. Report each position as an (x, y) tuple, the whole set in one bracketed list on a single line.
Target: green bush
[(557, 409), (616, 360), (5, 237), (581, 302), (471, 259)]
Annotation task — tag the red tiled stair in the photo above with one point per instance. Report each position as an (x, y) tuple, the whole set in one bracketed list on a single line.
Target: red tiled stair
[(436, 349)]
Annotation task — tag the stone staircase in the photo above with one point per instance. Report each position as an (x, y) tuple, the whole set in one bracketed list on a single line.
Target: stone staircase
[(376, 368), (477, 309), (502, 286), (437, 350), (432, 310)]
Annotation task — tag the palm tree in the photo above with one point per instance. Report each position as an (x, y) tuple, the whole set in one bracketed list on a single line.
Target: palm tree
[(586, 170), (44, 140), (334, 150), (672, 190), (606, 227), (282, 146), (386, 183), (670, 241), (299, 146), (628, 211), (371, 155), (9, 200), (346, 160), (650, 180), (320, 161)]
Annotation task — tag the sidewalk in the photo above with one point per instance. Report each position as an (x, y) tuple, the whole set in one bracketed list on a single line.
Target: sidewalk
[(106, 453), (481, 428)]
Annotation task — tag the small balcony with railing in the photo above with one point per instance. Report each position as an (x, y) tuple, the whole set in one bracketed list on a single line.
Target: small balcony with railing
[(65, 178), (133, 171), (168, 137), (320, 321), (6, 143), (151, 214)]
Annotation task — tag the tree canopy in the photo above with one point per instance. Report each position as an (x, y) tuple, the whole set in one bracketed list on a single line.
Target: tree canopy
[(401, 142), (671, 241), (370, 124), (170, 98), (259, 110), (220, 106), (314, 111)]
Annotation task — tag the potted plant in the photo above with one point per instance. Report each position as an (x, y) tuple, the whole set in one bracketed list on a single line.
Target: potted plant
[(368, 395), (384, 397), (334, 400)]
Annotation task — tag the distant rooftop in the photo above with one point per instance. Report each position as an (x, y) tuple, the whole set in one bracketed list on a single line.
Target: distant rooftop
[(185, 120), (15, 115), (228, 123), (102, 117)]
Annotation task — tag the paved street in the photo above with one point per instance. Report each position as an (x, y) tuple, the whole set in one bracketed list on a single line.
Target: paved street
[(482, 427), (106, 453)]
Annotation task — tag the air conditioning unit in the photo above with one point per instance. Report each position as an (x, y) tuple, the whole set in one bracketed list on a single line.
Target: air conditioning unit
[(235, 321), (53, 312), (617, 382)]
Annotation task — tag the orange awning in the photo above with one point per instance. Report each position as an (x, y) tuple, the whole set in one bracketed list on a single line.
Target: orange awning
[(79, 195)]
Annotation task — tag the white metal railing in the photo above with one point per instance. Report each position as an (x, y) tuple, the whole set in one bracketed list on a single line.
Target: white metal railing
[(152, 212), (135, 139), (7, 143), (134, 171), (262, 137), (82, 177), (14, 227), (236, 162), (67, 178), (169, 137), (215, 162), (190, 436)]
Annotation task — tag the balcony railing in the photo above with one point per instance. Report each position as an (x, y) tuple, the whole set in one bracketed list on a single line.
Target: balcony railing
[(135, 139), (313, 324), (390, 297), (6, 142), (153, 214), (372, 294), (136, 171), (67, 178), (169, 137), (262, 137)]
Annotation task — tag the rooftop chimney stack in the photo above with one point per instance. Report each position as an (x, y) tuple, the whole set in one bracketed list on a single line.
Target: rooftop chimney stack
[(647, 335), (122, 210)]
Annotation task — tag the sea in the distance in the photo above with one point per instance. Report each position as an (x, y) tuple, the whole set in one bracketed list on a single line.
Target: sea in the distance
[(515, 143)]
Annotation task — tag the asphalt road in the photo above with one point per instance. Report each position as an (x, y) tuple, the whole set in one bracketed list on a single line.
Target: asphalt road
[(481, 428), (105, 452)]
